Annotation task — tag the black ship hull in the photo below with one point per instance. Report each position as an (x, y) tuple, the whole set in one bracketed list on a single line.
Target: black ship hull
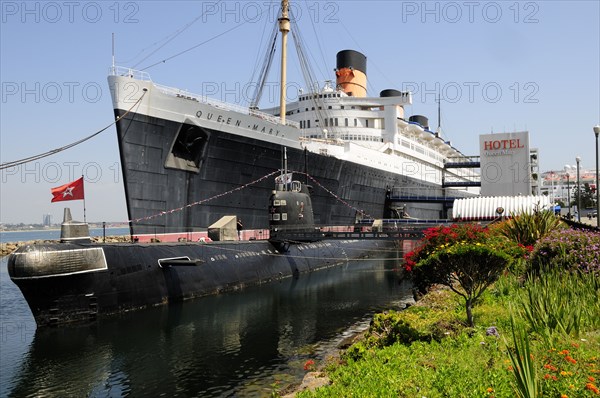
[(222, 162), (67, 282)]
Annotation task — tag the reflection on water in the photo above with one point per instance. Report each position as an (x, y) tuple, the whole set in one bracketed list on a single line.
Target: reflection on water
[(230, 345)]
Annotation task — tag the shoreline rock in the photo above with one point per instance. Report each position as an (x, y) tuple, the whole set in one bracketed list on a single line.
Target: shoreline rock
[(9, 247)]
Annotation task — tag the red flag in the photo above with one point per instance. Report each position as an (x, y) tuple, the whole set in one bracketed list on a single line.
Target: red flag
[(70, 191)]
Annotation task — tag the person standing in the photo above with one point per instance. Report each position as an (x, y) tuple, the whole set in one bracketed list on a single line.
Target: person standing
[(240, 226)]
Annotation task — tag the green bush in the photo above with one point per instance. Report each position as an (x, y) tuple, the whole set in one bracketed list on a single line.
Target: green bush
[(528, 227), (466, 268), (442, 236), (569, 249), (390, 327)]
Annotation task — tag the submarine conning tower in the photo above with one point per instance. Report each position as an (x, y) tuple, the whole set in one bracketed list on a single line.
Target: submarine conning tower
[(73, 231), (290, 208), (351, 73)]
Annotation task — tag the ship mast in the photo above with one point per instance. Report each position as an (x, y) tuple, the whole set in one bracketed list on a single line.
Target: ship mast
[(439, 101), (284, 28)]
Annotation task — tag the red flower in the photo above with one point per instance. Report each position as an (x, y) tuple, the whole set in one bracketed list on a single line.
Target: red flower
[(309, 365), (570, 359), (592, 387)]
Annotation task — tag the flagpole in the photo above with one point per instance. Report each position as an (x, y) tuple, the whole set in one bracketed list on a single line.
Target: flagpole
[(82, 182)]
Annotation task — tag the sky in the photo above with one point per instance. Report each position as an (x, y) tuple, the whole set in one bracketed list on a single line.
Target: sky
[(500, 66)]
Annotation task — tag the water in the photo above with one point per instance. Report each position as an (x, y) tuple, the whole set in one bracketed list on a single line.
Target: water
[(23, 236), (233, 345)]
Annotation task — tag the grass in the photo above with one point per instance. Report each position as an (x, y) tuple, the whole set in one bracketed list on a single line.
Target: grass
[(463, 361)]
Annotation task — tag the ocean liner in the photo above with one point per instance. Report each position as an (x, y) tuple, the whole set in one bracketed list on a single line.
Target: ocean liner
[(179, 148), (191, 162)]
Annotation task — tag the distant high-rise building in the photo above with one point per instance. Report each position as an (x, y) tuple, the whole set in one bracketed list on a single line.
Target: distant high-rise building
[(46, 220)]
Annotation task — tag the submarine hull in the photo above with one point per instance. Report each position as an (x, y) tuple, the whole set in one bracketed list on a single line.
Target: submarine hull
[(69, 282)]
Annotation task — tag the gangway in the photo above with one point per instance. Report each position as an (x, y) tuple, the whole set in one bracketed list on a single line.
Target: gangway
[(464, 174)]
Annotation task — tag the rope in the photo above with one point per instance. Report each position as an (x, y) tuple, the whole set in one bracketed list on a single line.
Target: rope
[(362, 212), (162, 213), (65, 147), (203, 201)]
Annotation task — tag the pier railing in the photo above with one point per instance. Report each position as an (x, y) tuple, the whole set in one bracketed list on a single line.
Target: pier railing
[(367, 229)]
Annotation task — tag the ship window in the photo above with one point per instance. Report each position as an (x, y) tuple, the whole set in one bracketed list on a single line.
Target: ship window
[(308, 124), (367, 122), (187, 148), (342, 107), (329, 107), (275, 217), (336, 121), (283, 202), (326, 122), (355, 122), (346, 122), (276, 202), (283, 216)]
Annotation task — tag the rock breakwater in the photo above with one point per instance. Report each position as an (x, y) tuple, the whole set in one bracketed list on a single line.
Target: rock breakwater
[(9, 247)]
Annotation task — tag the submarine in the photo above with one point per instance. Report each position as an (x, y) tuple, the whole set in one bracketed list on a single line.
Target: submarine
[(77, 280)]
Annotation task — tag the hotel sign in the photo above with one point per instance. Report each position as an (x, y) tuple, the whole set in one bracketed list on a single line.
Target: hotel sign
[(505, 168)]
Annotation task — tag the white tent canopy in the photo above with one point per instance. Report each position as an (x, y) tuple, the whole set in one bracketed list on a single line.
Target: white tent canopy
[(486, 208)]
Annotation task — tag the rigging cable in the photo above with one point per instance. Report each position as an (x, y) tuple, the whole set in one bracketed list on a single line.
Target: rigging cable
[(201, 43), (68, 146), (324, 75), (265, 68), (173, 36), (373, 64), (309, 76), (260, 57)]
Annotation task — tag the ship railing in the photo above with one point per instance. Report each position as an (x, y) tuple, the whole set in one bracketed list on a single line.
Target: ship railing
[(144, 76), (412, 193), (128, 72), (308, 138)]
